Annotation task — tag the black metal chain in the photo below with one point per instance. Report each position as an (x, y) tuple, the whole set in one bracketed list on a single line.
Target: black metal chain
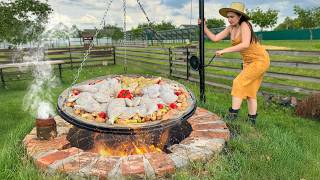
[(150, 24), (86, 54), (125, 35)]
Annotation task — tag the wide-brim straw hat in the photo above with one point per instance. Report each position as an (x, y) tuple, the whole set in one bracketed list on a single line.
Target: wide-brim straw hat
[(234, 7)]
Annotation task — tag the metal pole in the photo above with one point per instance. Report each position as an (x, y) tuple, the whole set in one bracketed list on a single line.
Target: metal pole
[(201, 52)]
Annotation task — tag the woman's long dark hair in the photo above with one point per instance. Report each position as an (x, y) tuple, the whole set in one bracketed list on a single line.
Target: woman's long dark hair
[(254, 37)]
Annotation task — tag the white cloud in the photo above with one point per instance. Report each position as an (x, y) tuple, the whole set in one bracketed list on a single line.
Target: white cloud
[(56, 18), (88, 14), (88, 20)]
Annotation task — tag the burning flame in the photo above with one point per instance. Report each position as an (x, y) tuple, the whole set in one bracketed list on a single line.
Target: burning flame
[(125, 149)]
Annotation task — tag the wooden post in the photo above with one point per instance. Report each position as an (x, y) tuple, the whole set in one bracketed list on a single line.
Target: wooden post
[(114, 55), (60, 71), (188, 67), (2, 78), (170, 62), (70, 55)]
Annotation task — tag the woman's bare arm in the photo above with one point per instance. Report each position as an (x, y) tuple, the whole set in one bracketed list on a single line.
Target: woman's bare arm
[(245, 40), (217, 37)]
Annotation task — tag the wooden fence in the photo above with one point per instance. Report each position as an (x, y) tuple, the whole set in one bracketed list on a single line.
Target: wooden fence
[(296, 76), (67, 57), (173, 62)]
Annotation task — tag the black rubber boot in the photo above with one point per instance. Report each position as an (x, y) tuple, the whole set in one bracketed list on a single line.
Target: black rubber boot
[(231, 115), (252, 118)]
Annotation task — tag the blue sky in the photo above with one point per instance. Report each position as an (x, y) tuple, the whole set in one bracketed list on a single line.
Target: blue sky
[(88, 13)]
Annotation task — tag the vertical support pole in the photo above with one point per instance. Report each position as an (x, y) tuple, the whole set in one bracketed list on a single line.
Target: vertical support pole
[(70, 56), (2, 78), (60, 71), (201, 52), (188, 67), (170, 62), (114, 54)]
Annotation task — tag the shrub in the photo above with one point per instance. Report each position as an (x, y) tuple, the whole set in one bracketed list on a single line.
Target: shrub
[(309, 107)]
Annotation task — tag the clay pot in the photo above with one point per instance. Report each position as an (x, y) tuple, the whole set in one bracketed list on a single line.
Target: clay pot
[(46, 128)]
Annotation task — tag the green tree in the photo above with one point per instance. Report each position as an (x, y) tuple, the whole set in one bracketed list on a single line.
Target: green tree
[(74, 31), (164, 26), (144, 27), (215, 23), (23, 20), (288, 23), (263, 19), (111, 31), (307, 18)]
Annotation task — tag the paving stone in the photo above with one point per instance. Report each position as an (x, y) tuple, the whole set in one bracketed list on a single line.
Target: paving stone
[(212, 133), (191, 153), (77, 163), (103, 166), (133, 166), (209, 125), (28, 138), (115, 173), (149, 171), (212, 144), (203, 119), (161, 163), (180, 161), (44, 161), (36, 146)]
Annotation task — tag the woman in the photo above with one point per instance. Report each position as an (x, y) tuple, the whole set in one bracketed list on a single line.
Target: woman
[(255, 59)]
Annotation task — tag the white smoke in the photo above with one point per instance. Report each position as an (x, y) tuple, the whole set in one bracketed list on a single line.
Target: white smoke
[(39, 96)]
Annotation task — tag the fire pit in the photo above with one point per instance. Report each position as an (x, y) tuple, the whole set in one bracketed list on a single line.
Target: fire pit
[(150, 149), (136, 128), (129, 138)]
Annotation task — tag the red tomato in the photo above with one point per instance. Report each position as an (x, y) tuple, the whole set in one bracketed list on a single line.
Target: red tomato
[(178, 93), (75, 92), (125, 94), (173, 106), (160, 106), (102, 115)]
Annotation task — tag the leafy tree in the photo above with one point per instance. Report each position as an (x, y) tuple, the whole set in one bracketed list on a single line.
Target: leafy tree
[(74, 31), (144, 27), (215, 23), (263, 19), (111, 31), (22, 20), (307, 18), (164, 26), (288, 23)]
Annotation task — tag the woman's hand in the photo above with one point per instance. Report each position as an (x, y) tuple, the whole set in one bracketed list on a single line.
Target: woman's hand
[(220, 53), (199, 22)]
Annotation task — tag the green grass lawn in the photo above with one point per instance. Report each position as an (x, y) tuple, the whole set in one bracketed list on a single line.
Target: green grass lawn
[(281, 146)]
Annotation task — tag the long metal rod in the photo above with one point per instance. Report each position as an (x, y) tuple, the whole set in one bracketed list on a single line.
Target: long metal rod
[(201, 52)]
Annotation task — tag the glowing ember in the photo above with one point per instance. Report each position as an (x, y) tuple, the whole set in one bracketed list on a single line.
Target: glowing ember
[(124, 149)]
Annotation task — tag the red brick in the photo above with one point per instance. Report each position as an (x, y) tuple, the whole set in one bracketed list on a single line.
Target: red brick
[(204, 119), (103, 166), (201, 110), (45, 161), (28, 138), (206, 126), (83, 160), (133, 165), (211, 134), (35, 146), (161, 163)]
